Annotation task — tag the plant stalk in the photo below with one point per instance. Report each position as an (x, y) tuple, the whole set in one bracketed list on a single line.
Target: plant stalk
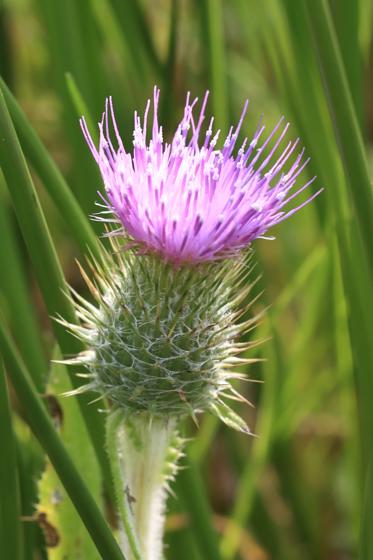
[(142, 451)]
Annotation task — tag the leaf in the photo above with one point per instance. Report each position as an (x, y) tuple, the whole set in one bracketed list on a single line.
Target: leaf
[(74, 541)]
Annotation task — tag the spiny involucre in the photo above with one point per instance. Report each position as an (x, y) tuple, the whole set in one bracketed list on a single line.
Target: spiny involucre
[(172, 302)]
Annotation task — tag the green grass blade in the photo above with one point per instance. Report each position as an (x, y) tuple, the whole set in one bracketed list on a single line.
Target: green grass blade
[(30, 461), (139, 16), (46, 265), (44, 431), (358, 282), (6, 58), (258, 456), (321, 141), (289, 47), (180, 544), (190, 488), (212, 21), (17, 303), (365, 27), (344, 118), (128, 62), (198, 448), (33, 225), (366, 541), (172, 43), (10, 529), (168, 97), (135, 31), (75, 219), (346, 18), (80, 105), (75, 47)]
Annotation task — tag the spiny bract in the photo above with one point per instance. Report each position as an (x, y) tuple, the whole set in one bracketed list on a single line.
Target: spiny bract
[(162, 340)]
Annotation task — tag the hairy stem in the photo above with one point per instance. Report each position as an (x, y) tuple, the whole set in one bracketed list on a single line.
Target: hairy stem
[(143, 455), (114, 421)]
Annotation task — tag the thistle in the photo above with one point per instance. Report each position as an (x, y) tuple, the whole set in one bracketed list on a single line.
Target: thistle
[(172, 299)]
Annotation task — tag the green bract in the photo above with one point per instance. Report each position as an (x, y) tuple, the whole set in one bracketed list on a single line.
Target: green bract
[(162, 340)]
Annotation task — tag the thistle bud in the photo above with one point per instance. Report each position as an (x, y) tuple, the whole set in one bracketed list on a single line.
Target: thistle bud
[(163, 340)]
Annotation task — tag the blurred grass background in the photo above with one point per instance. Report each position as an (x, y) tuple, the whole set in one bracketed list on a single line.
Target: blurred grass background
[(301, 490)]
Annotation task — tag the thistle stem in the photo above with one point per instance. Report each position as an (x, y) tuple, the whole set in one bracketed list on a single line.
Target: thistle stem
[(142, 455), (112, 427)]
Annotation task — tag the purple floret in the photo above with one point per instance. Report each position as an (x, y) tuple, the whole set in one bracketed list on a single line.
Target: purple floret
[(188, 201)]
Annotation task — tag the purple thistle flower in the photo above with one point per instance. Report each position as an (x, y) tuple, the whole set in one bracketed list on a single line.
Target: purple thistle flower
[(188, 201)]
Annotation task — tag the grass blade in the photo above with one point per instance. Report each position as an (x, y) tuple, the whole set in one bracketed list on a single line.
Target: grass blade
[(30, 461), (257, 461), (10, 530), (213, 23), (13, 284), (44, 431), (355, 271), (366, 547), (80, 105), (168, 99), (136, 32), (46, 265), (192, 492), (54, 182), (346, 17), (75, 47), (344, 118)]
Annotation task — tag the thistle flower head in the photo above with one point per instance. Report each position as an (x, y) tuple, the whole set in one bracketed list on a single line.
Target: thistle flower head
[(162, 337), (186, 199)]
